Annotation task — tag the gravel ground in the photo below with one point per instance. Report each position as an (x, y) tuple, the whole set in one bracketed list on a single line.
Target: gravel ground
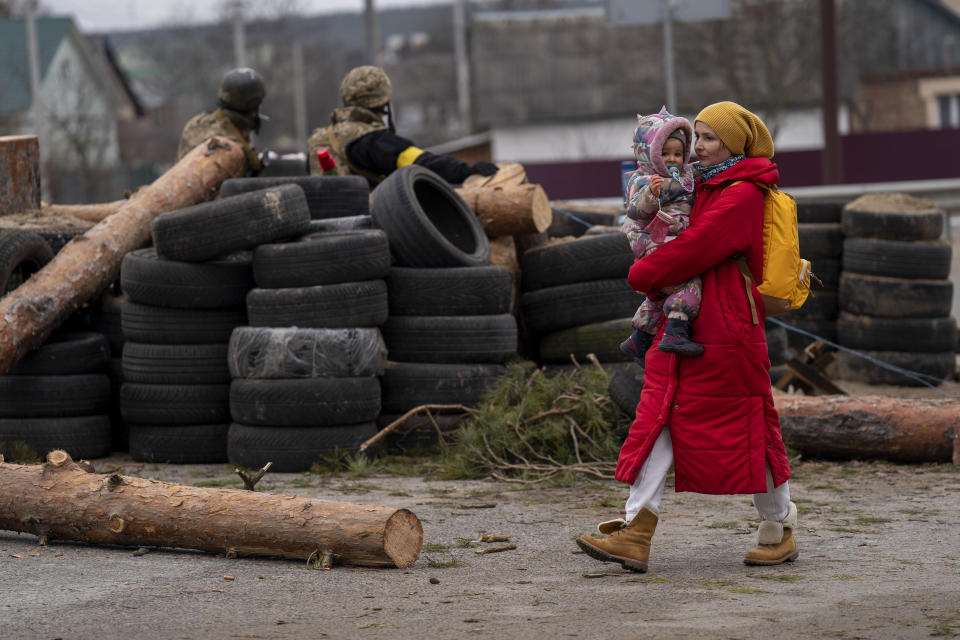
[(879, 558)]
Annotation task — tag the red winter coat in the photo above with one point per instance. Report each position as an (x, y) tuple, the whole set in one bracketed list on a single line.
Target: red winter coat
[(718, 406)]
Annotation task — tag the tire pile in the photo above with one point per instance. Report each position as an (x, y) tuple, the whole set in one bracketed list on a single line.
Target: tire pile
[(186, 296), (58, 395), (821, 242), (449, 330), (895, 297), (576, 297)]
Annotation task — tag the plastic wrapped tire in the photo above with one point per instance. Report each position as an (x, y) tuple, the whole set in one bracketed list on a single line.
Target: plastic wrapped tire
[(268, 352)]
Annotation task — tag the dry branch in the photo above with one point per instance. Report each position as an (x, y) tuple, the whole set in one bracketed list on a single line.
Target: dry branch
[(505, 547), (59, 500), (393, 426), (90, 262)]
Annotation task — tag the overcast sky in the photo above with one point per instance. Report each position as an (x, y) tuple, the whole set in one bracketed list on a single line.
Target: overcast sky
[(126, 15)]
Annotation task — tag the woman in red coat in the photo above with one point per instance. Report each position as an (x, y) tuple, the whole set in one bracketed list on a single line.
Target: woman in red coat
[(711, 416)]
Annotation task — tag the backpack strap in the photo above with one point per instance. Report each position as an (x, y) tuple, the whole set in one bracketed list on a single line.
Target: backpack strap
[(747, 281)]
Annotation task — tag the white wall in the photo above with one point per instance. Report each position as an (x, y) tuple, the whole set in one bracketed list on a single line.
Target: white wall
[(611, 138)]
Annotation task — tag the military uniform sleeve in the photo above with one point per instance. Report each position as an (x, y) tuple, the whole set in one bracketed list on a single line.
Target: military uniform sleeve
[(383, 152)]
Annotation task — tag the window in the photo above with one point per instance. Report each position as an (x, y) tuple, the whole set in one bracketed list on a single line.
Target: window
[(948, 108)]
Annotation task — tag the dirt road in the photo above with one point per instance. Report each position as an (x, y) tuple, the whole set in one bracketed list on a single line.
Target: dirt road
[(880, 558)]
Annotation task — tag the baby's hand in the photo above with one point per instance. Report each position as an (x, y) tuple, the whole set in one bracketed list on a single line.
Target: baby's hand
[(655, 183)]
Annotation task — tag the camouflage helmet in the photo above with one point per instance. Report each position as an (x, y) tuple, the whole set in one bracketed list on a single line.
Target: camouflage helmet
[(365, 86), (242, 89)]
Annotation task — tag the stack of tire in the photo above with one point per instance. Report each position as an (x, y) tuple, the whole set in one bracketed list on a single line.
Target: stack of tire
[(327, 197), (821, 242), (305, 371), (450, 329), (777, 349), (56, 396), (104, 315), (895, 295), (185, 298), (576, 297)]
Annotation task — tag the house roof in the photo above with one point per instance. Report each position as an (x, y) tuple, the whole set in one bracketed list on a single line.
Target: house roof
[(14, 73)]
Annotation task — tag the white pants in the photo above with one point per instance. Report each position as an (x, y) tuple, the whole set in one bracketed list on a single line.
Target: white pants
[(647, 489)]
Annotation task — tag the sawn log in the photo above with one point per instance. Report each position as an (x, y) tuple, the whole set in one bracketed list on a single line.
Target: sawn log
[(871, 427), (90, 262), (509, 209), (60, 500)]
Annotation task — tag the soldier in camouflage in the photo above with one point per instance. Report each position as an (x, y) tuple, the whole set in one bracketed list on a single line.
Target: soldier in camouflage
[(362, 143), (241, 92)]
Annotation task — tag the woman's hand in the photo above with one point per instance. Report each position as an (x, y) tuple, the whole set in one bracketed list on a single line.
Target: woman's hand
[(655, 183)]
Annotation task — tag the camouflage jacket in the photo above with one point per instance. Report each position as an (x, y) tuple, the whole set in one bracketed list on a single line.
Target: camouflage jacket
[(218, 123), (346, 125)]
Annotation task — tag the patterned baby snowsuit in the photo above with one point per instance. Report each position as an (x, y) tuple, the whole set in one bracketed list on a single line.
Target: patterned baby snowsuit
[(682, 301)]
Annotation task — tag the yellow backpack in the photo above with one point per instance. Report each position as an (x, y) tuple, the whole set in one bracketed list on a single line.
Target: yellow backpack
[(786, 276)]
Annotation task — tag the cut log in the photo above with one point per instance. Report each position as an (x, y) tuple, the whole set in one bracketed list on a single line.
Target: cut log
[(90, 262), (19, 174), (503, 253), (510, 209), (89, 212), (59, 500), (870, 427), (510, 173)]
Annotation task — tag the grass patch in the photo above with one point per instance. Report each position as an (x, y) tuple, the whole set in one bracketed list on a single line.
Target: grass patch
[(435, 547), (301, 482), (781, 577), (848, 577), (846, 530), (747, 590), (912, 512), (399, 494), (526, 419), (445, 564), (648, 580), (724, 524), (868, 520), (827, 487), (718, 583), (339, 463), (18, 452), (943, 468), (465, 543)]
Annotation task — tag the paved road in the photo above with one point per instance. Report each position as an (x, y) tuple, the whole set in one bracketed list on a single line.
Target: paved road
[(880, 558)]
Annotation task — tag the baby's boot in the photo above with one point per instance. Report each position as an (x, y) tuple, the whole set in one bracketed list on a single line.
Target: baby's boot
[(676, 339), (636, 345)]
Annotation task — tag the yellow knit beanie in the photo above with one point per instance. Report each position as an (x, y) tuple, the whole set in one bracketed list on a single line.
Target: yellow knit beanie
[(740, 130)]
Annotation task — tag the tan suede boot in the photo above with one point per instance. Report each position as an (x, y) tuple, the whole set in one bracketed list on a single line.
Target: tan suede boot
[(775, 543), (630, 545)]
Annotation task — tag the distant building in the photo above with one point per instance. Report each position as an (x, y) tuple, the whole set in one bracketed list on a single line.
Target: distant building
[(82, 96)]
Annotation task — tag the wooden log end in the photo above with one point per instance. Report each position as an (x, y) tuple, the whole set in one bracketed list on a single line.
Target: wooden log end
[(403, 538), (542, 213), (58, 458)]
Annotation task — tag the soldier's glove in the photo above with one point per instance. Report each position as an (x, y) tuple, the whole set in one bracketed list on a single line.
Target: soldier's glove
[(484, 168)]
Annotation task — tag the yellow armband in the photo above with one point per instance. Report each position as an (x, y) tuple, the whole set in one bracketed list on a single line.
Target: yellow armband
[(408, 156)]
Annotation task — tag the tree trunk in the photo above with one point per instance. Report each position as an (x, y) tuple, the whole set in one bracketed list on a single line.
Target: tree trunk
[(19, 174), (870, 427), (90, 212), (59, 500), (90, 262), (510, 209)]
